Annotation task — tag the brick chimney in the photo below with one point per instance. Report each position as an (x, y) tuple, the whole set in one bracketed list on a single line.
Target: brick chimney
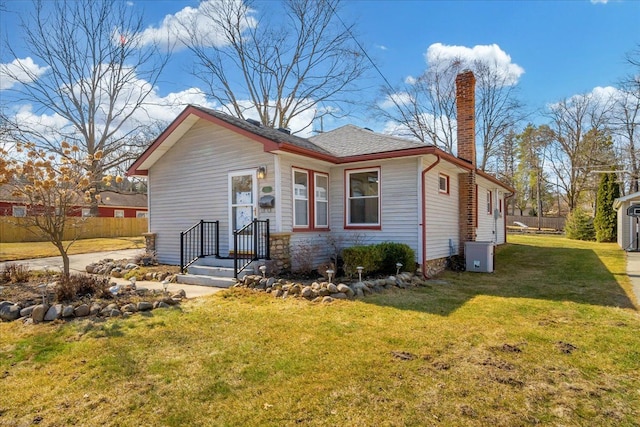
[(466, 106), (468, 192)]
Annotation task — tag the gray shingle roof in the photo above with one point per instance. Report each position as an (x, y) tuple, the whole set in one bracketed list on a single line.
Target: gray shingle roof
[(266, 132), (351, 140)]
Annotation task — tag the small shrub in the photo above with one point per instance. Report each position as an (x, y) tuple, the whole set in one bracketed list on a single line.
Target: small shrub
[(393, 253), (147, 258), (74, 286), (579, 226), (303, 257), (15, 273), (369, 257)]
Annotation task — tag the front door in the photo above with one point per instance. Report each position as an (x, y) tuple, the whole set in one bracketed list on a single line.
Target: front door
[(242, 201)]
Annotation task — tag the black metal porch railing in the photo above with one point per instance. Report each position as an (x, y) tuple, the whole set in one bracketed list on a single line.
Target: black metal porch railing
[(251, 243), (201, 240)]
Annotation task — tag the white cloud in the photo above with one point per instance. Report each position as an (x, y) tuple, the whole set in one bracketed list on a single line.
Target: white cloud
[(40, 123), (599, 1), (381, 47), (601, 95), (439, 53), (172, 32), (410, 80), (19, 71), (400, 98), (154, 108)]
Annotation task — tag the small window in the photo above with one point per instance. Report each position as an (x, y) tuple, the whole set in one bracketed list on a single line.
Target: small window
[(20, 211), (142, 214), (321, 184), (363, 197), (300, 199), (86, 212), (489, 203), (443, 184), (118, 213)]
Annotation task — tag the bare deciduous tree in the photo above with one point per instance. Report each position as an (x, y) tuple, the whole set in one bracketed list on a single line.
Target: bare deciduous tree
[(626, 121), (582, 143), (425, 107), (98, 75), (280, 72)]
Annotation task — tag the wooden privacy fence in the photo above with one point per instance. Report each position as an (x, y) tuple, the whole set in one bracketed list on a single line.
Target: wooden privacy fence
[(555, 223), (85, 228)]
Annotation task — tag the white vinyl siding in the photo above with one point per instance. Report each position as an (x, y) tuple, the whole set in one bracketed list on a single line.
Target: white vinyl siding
[(189, 183), (490, 228), (398, 204), (441, 211)]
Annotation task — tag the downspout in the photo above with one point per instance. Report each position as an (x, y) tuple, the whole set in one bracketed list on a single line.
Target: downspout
[(424, 215)]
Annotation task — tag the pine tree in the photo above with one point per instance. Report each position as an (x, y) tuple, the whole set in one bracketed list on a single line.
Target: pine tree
[(605, 219), (579, 226)]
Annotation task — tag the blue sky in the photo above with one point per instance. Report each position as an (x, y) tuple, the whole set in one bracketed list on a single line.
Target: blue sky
[(563, 47)]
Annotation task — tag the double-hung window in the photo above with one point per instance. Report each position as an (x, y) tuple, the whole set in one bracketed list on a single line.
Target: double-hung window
[(310, 199), (363, 198), (489, 202)]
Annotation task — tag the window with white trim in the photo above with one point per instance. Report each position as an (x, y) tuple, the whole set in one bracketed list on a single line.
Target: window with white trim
[(310, 199), (142, 214), (300, 198), (19, 211), (363, 197), (118, 213), (321, 186), (443, 183), (489, 202), (86, 212)]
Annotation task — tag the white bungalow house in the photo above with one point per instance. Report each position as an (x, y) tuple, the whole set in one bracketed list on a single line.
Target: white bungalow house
[(628, 220), (349, 184)]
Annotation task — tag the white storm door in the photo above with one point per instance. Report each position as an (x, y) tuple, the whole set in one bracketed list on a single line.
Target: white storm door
[(242, 201)]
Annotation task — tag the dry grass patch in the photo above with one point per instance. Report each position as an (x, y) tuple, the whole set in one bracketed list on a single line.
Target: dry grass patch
[(18, 251), (480, 350)]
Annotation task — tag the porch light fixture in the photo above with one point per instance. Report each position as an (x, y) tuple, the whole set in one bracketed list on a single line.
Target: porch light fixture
[(360, 272), (398, 267), (262, 172)]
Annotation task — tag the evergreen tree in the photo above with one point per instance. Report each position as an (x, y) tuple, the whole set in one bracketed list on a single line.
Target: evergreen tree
[(579, 226), (605, 219)]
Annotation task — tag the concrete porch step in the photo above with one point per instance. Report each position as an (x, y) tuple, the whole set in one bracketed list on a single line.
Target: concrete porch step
[(205, 270), (202, 280)]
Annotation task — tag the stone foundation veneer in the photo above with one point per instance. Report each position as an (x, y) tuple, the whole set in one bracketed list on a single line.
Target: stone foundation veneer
[(434, 267), (280, 252), (149, 241)]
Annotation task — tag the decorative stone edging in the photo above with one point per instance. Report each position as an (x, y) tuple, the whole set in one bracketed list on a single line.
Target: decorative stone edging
[(325, 291), (30, 312)]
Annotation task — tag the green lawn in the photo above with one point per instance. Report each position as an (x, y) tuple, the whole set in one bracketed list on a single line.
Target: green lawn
[(18, 251), (552, 337)]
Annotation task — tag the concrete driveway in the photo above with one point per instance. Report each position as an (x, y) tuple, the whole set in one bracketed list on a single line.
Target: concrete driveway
[(77, 264), (633, 271)]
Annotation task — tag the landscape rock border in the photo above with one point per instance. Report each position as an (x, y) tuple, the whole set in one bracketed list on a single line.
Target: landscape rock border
[(324, 291), (121, 306)]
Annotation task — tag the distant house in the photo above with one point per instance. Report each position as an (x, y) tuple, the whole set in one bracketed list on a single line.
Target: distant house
[(349, 185), (628, 221), (112, 204)]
